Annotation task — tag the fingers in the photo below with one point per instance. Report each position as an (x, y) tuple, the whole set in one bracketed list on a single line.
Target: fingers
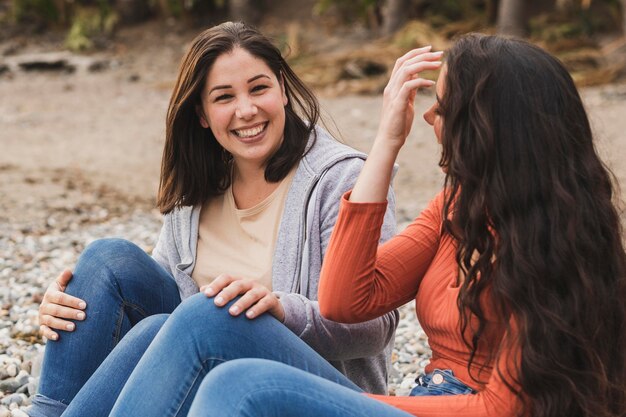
[(255, 299), (270, 304), (411, 68), (409, 55), (56, 323), (217, 285), (60, 311), (63, 279), (48, 333), (237, 286), (57, 297), (251, 297)]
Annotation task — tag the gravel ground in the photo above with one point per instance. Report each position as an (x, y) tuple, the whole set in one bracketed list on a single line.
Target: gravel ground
[(30, 256)]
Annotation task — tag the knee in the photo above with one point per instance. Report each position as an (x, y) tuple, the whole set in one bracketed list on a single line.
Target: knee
[(232, 380), (200, 317), (144, 332), (110, 248), (103, 256), (198, 309), (151, 324)]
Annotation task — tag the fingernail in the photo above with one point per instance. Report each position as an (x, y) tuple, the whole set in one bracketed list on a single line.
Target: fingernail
[(54, 337), (250, 314), (82, 305), (438, 52), (234, 310), (209, 291), (80, 316), (70, 326), (219, 301)]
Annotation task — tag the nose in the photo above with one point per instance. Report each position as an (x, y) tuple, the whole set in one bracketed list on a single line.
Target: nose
[(429, 115), (246, 109)]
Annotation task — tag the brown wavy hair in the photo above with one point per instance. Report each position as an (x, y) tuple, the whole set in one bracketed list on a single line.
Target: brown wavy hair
[(194, 167), (534, 211)]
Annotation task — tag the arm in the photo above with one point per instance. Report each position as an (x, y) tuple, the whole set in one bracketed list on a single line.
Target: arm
[(377, 283), (333, 340), (375, 279), (159, 253)]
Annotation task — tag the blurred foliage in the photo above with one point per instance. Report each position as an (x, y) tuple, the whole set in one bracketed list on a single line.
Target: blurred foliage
[(38, 11), (91, 25), (348, 10), (88, 22)]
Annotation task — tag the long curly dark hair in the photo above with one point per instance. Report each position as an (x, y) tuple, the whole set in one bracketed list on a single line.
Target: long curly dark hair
[(194, 168), (539, 235)]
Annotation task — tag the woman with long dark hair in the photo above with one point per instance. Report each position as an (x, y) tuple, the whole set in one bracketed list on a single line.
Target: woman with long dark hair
[(517, 267), (249, 188)]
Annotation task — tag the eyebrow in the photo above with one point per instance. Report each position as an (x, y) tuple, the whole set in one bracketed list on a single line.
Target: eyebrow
[(225, 86)]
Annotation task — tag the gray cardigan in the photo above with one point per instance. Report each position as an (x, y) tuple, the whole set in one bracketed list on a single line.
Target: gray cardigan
[(325, 173)]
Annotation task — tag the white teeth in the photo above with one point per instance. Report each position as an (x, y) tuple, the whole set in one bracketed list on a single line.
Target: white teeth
[(248, 133)]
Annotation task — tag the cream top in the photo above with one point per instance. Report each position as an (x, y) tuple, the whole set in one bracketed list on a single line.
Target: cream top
[(239, 242)]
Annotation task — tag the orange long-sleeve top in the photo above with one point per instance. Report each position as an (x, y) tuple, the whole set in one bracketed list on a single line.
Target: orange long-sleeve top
[(361, 280)]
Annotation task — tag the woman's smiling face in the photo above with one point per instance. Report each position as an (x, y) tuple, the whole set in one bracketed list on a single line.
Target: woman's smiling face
[(243, 103)]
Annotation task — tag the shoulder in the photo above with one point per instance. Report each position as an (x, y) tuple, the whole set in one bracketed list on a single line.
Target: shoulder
[(326, 152)]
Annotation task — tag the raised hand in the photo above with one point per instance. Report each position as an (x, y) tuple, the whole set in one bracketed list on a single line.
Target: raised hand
[(395, 123), (255, 300), (399, 94)]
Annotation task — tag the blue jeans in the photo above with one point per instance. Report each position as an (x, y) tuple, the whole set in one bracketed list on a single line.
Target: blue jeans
[(261, 388), (121, 285), (197, 337), (440, 382)]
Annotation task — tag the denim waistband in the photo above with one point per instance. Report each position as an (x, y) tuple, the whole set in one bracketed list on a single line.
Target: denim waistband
[(440, 382)]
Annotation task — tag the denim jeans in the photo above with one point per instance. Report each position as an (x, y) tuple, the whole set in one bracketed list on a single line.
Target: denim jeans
[(440, 382), (121, 285), (261, 388), (199, 336)]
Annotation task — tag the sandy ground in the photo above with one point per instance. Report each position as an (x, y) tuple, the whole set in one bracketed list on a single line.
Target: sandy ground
[(64, 137)]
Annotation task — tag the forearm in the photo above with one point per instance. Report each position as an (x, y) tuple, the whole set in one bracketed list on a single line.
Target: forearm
[(373, 182)]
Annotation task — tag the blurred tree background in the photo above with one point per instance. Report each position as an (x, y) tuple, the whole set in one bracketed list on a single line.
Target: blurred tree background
[(588, 35)]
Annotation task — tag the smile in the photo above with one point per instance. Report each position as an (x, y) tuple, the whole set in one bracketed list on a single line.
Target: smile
[(251, 132)]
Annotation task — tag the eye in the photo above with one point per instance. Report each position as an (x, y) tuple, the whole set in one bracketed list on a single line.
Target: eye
[(259, 88), (223, 97)]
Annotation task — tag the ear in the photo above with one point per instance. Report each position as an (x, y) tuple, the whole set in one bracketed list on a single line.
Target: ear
[(282, 89), (201, 117)]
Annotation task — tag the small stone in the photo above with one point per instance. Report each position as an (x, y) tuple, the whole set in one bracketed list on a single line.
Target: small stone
[(22, 378), (12, 370), (13, 399), (18, 413), (9, 385)]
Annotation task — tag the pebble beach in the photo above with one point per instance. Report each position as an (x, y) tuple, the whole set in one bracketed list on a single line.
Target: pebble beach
[(32, 255)]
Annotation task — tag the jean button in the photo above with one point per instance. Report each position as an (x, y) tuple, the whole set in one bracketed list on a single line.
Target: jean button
[(437, 379)]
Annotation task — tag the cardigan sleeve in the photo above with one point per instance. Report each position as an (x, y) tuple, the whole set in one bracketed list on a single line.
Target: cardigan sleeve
[(337, 341)]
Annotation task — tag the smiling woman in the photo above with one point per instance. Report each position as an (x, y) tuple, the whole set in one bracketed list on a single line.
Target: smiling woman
[(249, 188)]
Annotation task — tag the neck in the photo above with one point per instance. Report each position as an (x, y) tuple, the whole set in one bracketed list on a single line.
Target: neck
[(248, 173), (249, 185)]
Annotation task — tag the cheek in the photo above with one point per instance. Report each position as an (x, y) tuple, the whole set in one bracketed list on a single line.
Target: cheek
[(218, 117)]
